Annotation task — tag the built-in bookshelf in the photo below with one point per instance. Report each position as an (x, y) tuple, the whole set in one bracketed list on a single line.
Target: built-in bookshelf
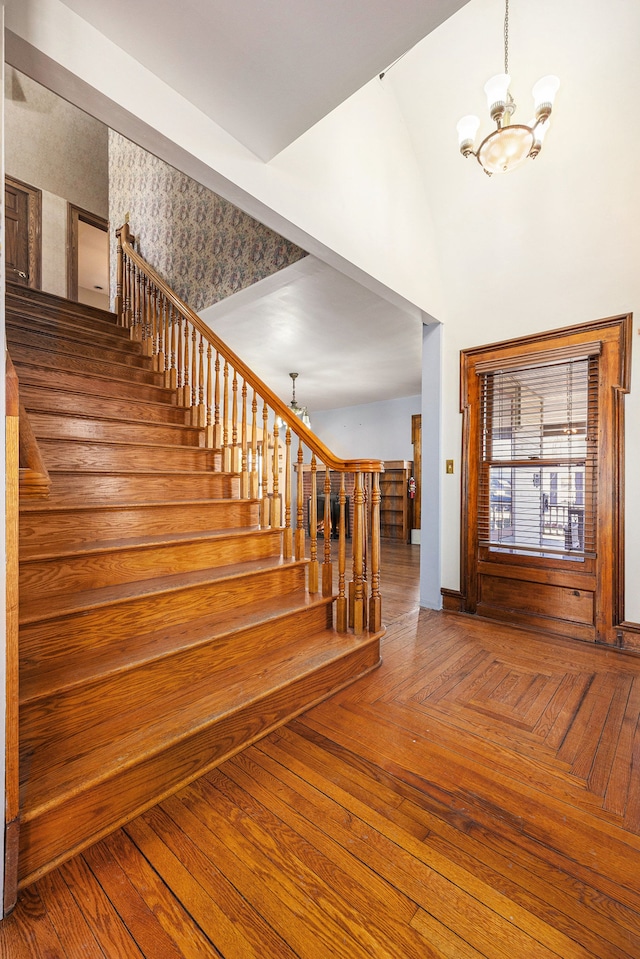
[(395, 505)]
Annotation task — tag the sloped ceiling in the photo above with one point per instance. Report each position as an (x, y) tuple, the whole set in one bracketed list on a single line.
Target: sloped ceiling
[(264, 71)]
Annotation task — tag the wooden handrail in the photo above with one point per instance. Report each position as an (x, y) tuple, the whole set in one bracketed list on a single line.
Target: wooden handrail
[(251, 437), (35, 481), (274, 401)]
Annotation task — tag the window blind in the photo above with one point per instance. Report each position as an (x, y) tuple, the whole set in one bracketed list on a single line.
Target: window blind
[(537, 480)]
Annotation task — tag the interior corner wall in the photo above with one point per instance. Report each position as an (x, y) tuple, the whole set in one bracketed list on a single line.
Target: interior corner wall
[(370, 431), (432, 478), (202, 245), (52, 145)]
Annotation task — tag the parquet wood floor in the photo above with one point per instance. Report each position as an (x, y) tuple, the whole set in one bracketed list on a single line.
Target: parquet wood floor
[(477, 796)]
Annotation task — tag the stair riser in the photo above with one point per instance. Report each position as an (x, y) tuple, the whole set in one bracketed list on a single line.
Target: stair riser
[(73, 825), (99, 386), (59, 638), (31, 303), (71, 529), (54, 340), (138, 698), (47, 398), (95, 487), (62, 426), (60, 454), (93, 571), (32, 356), (88, 331)]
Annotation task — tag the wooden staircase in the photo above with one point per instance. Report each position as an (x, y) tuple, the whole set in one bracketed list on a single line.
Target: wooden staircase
[(161, 630)]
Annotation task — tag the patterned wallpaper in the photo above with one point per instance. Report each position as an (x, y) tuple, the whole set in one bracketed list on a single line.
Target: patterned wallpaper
[(202, 245)]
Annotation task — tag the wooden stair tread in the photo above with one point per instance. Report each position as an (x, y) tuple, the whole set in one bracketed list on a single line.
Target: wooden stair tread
[(25, 368), (126, 444), (72, 771), (69, 396), (160, 644), (58, 338), (48, 506), (104, 418), (71, 323), (143, 542), (52, 358), (34, 610)]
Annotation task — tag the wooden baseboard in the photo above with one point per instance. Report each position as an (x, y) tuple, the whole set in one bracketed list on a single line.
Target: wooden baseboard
[(629, 636), (452, 600)]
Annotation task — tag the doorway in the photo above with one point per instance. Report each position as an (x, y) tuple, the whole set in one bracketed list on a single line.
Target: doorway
[(87, 258), (542, 479), (23, 233)]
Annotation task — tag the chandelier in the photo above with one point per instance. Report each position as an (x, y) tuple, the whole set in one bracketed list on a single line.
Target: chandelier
[(301, 411), (509, 144)]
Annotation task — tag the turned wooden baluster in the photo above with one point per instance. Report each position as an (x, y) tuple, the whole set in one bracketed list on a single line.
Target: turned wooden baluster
[(375, 601), (356, 615), (119, 301), (254, 484), (194, 376), (209, 429), (165, 353), (342, 612), (287, 540), (172, 379), (327, 567), (313, 528), (235, 449), (299, 537), (186, 389), (265, 513), (217, 426), (147, 341), (158, 328), (137, 299), (276, 505), (226, 452), (199, 414), (180, 362), (244, 466)]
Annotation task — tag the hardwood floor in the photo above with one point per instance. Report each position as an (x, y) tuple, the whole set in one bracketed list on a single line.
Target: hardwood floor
[(477, 796)]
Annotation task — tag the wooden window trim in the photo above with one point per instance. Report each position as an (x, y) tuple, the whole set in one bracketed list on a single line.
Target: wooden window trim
[(614, 334)]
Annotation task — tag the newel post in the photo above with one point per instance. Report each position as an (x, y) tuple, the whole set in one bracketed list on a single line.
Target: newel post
[(119, 278)]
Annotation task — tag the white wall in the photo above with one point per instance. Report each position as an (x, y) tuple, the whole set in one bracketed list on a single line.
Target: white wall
[(371, 431), (554, 243)]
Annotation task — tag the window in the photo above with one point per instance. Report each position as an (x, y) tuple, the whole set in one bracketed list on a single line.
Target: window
[(537, 481)]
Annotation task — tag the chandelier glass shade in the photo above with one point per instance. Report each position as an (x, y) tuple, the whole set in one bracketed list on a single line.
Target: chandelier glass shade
[(510, 144)]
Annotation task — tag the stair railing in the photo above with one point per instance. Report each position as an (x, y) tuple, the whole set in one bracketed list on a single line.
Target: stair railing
[(259, 438)]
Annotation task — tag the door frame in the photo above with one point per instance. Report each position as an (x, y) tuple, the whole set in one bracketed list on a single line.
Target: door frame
[(615, 335), (75, 215), (34, 228)]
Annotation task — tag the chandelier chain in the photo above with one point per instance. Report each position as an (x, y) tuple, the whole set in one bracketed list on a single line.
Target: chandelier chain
[(506, 36)]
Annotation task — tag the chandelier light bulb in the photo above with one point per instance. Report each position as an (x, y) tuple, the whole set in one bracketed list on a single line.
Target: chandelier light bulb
[(467, 129), (496, 89), (544, 93)]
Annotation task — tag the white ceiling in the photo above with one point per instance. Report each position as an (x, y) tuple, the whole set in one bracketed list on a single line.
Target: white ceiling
[(266, 73), (347, 344)]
